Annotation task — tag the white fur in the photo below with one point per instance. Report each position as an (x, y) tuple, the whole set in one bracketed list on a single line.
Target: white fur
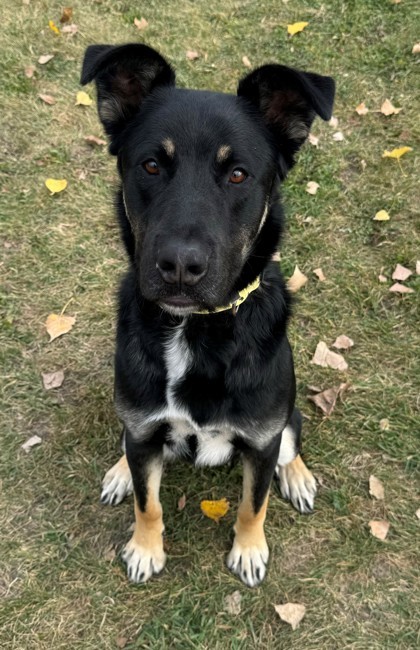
[(288, 449)]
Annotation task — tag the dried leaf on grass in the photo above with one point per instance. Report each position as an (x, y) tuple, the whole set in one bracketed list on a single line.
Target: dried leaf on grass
[(362, 109), (45, 58), (59, 324), (192, 55), (388, 109), (384, 424), (121, 641), (140, 24), (400, 288), (418, 513), (291, 613), (56, 185), (181, 502), (319, 274), (401, 273), (379, 528), (30, 71), (215, 509), (47, 99), (328, 359), (343, 342), (66, 15), (52, 379), (233, 603), (246, 62), (70, 29), (381, 215), (297, 280), (418, 267), (416, 48), (295, 28), (83, 99), (92, 139), (312, 187), (327, 399), (313, 139), (338, 136), (382, 278), (376, 488), (31, 442), (396, 153), (333, 122)]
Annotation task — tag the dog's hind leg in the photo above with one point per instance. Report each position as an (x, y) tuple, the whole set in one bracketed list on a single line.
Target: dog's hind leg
[(117, 483), (297, 483)]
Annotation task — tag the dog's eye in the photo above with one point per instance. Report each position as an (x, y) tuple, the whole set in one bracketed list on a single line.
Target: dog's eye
[(151, 167), (238, 176)]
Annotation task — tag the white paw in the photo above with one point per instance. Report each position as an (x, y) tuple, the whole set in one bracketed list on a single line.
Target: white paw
[(117, 483), (297, 485), (141, 562), (248, 562)]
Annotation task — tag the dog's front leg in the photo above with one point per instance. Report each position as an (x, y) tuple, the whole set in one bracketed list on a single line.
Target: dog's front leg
[(249, 554), (144, 554)]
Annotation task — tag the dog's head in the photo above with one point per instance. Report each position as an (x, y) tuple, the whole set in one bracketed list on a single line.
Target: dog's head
[(199, 169)]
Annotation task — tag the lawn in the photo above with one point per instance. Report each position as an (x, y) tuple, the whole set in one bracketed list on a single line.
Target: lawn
[(62, 583)]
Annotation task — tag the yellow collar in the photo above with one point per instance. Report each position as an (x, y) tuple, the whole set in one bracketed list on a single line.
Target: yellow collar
[(234, 305)]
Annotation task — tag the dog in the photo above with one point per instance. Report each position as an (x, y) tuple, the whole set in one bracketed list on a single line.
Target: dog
[(203, 368)]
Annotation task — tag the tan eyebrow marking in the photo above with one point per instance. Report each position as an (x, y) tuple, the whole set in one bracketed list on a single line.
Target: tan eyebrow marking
[(169, 146), (223, 152)]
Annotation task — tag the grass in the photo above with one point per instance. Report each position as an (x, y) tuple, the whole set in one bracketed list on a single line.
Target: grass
[(62, 583)]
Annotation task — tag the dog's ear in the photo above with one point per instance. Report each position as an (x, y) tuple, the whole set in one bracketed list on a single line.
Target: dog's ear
[(124, 76), (288, 100)]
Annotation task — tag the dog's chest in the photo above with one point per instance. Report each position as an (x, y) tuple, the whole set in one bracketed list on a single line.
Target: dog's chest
[(204, 445)]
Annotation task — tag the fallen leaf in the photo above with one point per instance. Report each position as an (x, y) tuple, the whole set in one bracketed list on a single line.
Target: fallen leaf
[(401, 273), (343, 342), (376, 488), (314, 389), (384, 424), (44, 58), (215, 509), (363, 163), (295, 28), (276, 257), (233, 603), (30, 71), (400, 288), (382, 215), (291, 613), (312, 187), (109, 553), (314, 141), (66, 15), (83, 99), (56, 185), (92, 139), (53, 27), (319, 274), (59, 324), (327, 399), (362, 109), (71, 29), (379, 528), (333, 122), (52, 379), (338, 136), (192, 55), (382, 278), (141, 24), (82, 175), (328, 359), (48, 99), (121, 641), (416, 48), (246, 62), (396, 153), (181, 502), (418, 513), (297, 280), (31, 442), (388, 109)]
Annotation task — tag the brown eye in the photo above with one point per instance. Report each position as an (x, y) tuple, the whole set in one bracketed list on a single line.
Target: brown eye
[(238, 176), (151, 167)]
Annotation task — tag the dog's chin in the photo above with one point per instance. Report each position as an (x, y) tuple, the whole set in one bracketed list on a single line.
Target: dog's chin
[(179, 305)]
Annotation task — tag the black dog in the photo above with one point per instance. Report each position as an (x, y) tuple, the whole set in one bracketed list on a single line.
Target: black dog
[(203, 367)]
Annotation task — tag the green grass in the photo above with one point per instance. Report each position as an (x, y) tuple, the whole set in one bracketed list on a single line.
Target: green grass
[(62, 584)]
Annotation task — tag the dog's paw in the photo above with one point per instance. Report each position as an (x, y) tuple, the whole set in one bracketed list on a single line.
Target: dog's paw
[(297, 485), (142, 562), (117, 483), (249, 562)]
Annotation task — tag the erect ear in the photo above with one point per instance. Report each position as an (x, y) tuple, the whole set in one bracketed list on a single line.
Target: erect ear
[(288, 100), (124, 76)]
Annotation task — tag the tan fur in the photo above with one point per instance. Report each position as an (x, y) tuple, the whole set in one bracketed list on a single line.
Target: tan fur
[(249, 526), (149, 524), (169, 146), (223, 153), (296, 470)]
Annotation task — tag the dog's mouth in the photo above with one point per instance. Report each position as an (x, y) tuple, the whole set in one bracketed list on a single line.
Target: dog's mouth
[(179, 305)]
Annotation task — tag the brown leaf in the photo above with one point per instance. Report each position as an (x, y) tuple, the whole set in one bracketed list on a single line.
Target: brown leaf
[(400, 288), (388, 109), (314, 141), (418, 513), (121, 641), (59, 324), (314, 389), (233, 603), (362, 109), (109, 553), (401, 273), (181, 502), (376, 488), (66, 15), (382, 278), (92, 139), (70, 29), (52, 379), (327, 359), (312, 187), (48, 99), (291, 613), (141, 24), (326, 399), (384, 424), (30, 71), (379, 528), (297, 280), (31, 442), (343, 342), (418, 267), (192, 55), (319, 274), (333, 122), (44, 58), (246, 62), (416, 48), (338, 136)]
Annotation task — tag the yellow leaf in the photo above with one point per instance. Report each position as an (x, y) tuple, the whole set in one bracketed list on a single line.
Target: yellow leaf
[(56, 185), (83, 99), (362, 109), (396, 153), (215, 509), (388, 108), (295, 28), (53, 27), (58, 324), (382, 215)]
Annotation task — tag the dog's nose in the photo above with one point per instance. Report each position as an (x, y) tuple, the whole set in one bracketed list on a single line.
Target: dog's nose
[(180, 263)]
